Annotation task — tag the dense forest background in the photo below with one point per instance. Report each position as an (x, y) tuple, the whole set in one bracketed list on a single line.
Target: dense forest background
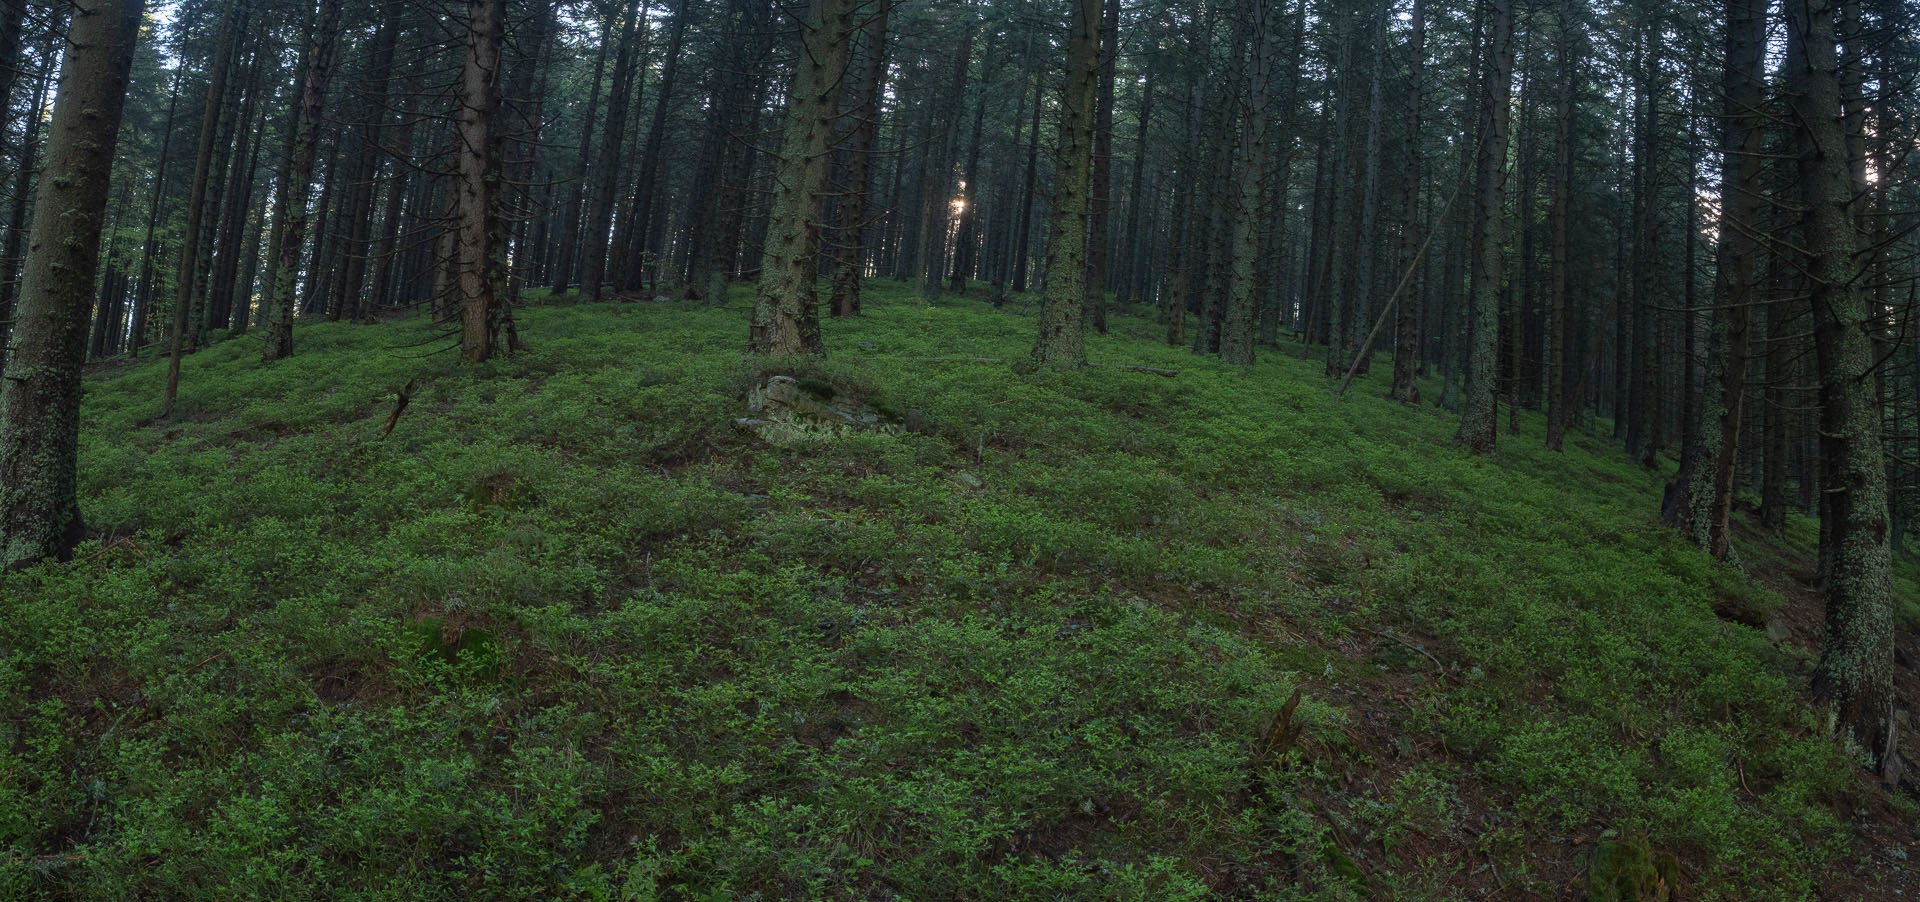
[(1689, 230)]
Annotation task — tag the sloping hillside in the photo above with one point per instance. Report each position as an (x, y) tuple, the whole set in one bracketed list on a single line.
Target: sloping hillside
[(574, 631)]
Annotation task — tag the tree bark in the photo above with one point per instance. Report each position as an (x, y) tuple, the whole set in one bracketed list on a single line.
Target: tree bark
[(1478, 423), (845, 299), (1100, 203), (480, 267), (1062, 341), (293, 199), (1238, 331), (786, 318), (1854, 678), (1742, 142), (40, 391)]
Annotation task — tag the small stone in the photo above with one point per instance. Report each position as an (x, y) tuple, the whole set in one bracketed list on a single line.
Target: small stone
[(968, 481), (1778, 631)]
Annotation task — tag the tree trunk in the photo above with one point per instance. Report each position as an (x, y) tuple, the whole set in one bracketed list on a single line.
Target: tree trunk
[(40, 394), (786, 318), (1406, 346), (866, 129), (641, 264), (480, 267), (1100, 203), (1062, 342), (1855, 675), (231, 23), (1478, 422), (293, 198), (604, 177), (1024, 232), (1238, 331), (1742, 142), (1559, 278)]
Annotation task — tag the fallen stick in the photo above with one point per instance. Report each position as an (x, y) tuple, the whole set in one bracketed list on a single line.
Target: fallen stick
[(399, 404)]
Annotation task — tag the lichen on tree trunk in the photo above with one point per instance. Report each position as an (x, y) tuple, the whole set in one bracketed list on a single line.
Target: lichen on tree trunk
[(40, 390), (1855, 674), (786, 319)]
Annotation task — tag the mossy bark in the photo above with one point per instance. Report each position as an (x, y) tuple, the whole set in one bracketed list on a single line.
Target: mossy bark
[(1062, 339), (40, 390), (1855, 674), (786, 316)]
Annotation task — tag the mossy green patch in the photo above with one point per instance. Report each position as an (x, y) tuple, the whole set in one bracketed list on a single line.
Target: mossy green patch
[(571, 632)]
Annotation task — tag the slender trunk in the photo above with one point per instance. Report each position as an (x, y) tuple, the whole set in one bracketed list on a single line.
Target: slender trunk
[(1742, 141), (1024, 233), (1478, 422), (1406, 347), (564, 258), (1241, 318), (150, 247), (479, 263), (293, 199), (641, 261), (1101, 201), (1135, 287), (231, 23), (866, 129), (605, 175)]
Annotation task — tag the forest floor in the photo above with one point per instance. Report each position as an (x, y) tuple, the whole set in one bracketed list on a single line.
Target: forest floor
[(573, 630)]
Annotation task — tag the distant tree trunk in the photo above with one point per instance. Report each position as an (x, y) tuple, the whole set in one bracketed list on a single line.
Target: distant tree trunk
[(1100, 204), (10, 255), (13, 20), (1136, 273), (150, 248), (565, 257), (1024, 232), (1062, 342), (197, 200), (1406, 347), (1238, 331), (641, 265), (786, 319), (1478, 422), (293, 199), (1855, 675), (866, 129), (480, 265), (966, 234), (937, 188), (40, 393), (1743, 143), (236, 204), (1643, 389), (1366, 254), (1559, 279), (605, 174)]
